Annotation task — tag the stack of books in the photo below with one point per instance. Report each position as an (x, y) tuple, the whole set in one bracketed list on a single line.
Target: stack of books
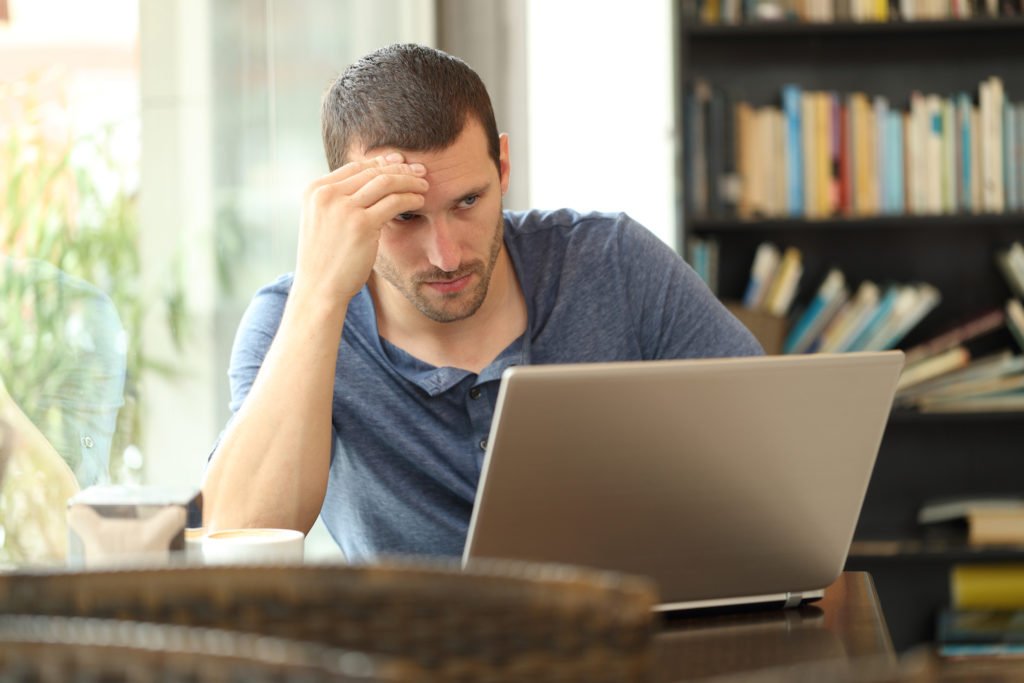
[(872, 317), (986, 612), (943, 374), (977, 521), (702, 255), (774, 278), (824, 154), (737, 11)]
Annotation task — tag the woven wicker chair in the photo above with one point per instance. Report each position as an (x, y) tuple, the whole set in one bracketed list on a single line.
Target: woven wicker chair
[(72, 650), (494, 622)]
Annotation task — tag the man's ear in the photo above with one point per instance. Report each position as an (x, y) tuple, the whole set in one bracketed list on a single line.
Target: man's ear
[(503, 161)]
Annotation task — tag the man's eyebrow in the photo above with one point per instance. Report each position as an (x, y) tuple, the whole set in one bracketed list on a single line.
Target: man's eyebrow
[(480, 189)]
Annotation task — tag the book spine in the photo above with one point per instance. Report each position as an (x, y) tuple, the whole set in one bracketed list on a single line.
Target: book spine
[(791, 99), (716, 151), (984, 586), (963, 109), (809, 135), (881, 180), (1009, 163), (948, 156)]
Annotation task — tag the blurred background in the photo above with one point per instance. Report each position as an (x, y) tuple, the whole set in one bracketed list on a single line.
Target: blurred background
[(152, 158)]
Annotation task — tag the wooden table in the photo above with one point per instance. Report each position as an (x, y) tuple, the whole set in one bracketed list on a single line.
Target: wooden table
[(846, 624)]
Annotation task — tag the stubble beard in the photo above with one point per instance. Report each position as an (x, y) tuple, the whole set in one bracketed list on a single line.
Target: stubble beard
[(412, 288)]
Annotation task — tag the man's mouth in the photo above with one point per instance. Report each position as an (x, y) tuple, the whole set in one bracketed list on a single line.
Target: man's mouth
[(450, 286)]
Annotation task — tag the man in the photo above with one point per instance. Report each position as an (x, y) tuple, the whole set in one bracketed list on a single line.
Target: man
[(364, 384)]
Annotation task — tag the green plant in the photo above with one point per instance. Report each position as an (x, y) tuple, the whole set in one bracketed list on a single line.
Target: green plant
[(69, 202)]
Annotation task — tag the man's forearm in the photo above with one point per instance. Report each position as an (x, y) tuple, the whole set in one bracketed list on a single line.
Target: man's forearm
[(271, 467)]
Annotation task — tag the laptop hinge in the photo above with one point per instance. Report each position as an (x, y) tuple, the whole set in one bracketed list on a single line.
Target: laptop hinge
[(793, 600)]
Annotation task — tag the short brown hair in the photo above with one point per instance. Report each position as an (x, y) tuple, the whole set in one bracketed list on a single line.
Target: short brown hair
[(406, 96)]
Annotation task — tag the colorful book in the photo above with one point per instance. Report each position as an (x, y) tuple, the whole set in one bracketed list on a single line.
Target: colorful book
[(987, 586), (791, 106), (783, 287), (813, 319), (874, 320), (766, 260), (999, 364), (923, 299), (850, 318)]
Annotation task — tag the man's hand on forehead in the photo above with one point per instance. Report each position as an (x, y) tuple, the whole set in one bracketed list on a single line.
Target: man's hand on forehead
[(344, 213)]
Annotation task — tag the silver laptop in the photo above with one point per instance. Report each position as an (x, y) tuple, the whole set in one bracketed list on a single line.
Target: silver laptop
[(728, 481)]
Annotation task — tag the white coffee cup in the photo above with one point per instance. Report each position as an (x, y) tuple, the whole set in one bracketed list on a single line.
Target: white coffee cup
[(242, 546)]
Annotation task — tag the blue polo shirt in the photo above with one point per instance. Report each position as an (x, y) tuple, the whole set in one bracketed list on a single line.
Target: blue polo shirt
[(410, 437)]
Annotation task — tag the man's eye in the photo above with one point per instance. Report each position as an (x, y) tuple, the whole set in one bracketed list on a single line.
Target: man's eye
[(469, 201), (404, 217)]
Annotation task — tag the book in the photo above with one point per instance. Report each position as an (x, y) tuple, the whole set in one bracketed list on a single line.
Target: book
[(911, 304), (743, 115), (830, 295), (1009, 163), (702, 255), (762, 270), (780, 294), (981, 324), (1011, 263), (697, 105), (963, 123), (717, 142), (791, 99), (850, 318), (978, 387), (876, 318), (1015, 320), (933, 366), (987, 586), (907, 313), (1012, 402), (983, 522), (991, 97), (999, 364), (987, 633)]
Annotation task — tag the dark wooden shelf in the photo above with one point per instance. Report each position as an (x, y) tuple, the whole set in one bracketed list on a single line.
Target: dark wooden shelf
[(923, 456), (791, 29), (974, 222), (902, 550), (901, 416)]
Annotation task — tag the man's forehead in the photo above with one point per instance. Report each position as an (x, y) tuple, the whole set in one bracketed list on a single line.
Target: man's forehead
[(471, 143)]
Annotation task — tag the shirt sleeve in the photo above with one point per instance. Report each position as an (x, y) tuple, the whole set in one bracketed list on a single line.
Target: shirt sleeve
[(676, 315)]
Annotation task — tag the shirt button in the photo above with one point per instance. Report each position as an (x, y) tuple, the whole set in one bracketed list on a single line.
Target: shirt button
[(87, 442), (474, 393), (483, 444)]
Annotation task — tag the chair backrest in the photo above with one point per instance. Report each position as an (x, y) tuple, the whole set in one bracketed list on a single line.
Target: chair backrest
[(71, 649), (494, 621)]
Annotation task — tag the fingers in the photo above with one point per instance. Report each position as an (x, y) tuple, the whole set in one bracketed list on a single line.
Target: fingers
[(393, 162), (370, 186), (391, 205)]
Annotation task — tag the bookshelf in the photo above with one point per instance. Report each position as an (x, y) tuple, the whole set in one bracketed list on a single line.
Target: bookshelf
[(923, 456)]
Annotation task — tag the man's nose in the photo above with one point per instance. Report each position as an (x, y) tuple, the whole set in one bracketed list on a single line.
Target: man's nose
[(442, 250)]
